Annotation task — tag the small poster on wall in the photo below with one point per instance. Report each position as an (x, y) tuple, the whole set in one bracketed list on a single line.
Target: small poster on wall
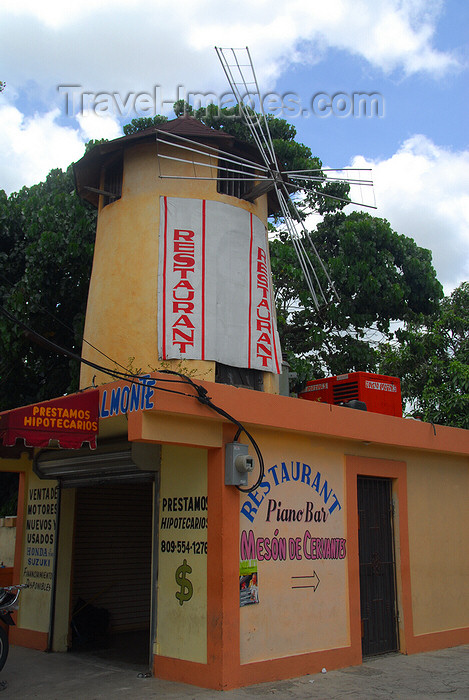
[(248, 583)]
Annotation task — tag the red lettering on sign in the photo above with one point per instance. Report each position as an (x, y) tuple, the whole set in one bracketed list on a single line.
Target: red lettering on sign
[(263, 312), (183, 292), (183, 234), (186, 306), (184, 260), (184, 321), (182, 338)]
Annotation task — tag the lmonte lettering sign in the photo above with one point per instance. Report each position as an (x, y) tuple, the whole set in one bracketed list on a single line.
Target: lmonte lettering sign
[(137, 396)]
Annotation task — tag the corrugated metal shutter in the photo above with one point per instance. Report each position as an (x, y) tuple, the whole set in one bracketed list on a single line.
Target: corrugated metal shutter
[(111, 462), (113, 551)]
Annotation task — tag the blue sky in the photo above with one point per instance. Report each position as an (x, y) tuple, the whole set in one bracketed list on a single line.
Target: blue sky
[(413, 53)]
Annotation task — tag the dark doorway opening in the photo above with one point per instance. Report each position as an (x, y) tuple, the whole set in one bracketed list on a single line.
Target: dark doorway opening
[(9, 484), (377, 566), (111, 591)]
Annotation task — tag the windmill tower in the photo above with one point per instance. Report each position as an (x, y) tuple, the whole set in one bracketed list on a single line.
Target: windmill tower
[(181, 274)]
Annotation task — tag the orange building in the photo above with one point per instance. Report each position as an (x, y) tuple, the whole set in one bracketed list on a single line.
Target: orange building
[(354, 540)]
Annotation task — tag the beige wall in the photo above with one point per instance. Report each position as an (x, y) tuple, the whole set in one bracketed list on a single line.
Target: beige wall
[(438, 497), (182, 558), (288, 619)]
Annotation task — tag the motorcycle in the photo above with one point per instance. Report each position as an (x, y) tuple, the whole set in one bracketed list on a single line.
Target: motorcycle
[(8, 603)]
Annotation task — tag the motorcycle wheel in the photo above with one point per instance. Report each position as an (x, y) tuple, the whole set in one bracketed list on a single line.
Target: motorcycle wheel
[(3, 646)]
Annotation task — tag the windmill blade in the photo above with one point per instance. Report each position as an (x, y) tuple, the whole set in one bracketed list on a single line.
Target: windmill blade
[(226, 165), (343, 199), (302, 175), (239, 70), (333, 170), (302, 260), (353, 181), (300, 253), (306, 264), (241, 76), (308, 236), (195, 147), (252, 176)]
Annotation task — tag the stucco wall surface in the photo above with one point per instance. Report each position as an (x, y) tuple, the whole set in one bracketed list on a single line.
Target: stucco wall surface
[(438, 513), (294, 525)]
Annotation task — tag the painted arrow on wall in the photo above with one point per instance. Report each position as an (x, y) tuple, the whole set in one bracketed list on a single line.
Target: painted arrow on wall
[(307, 581)]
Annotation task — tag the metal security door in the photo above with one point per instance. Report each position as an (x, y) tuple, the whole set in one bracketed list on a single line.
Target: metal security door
[(377, 566)]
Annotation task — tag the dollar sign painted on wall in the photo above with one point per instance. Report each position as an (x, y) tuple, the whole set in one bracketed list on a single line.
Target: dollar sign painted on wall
[(181, 579)]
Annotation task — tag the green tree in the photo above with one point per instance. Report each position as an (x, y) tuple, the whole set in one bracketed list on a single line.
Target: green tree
[(142, 123), (94, 142), (46, 248), (380, 277), (432, 360)]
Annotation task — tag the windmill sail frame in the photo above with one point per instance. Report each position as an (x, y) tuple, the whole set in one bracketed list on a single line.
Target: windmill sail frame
[(266, 176)]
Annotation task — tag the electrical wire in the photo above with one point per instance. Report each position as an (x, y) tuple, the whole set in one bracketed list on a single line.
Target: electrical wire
[(201, 392), (206, 401), (58, 320)]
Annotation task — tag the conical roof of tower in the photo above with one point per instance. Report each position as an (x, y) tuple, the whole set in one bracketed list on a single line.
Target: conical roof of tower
[(191, 127), (88, 169)]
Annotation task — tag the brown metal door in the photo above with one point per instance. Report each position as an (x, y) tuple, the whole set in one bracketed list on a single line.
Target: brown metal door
[(377, 566)]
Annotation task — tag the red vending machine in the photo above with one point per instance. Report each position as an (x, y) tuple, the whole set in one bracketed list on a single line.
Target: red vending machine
[(380, 393)]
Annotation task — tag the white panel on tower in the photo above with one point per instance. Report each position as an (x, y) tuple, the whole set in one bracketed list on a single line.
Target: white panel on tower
[(215, 298)]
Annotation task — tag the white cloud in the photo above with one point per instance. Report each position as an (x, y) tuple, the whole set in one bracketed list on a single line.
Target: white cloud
[(32, 146), (130, 46), (423, 191), (390, 34), (96, 126), (133, 45)]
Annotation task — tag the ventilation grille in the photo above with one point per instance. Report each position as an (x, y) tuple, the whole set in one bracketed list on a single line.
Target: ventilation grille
[(345, 391)]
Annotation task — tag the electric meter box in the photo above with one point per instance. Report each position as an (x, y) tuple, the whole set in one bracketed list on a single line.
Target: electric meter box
[(380, 393)]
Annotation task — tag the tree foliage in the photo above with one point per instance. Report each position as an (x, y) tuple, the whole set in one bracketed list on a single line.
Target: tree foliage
[(141, 123), (432, 360), (380, 277), (46, 248), (92, 143)]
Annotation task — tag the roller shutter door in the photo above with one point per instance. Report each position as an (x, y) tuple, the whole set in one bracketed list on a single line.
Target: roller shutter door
[(113, 551), (111, 463)]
